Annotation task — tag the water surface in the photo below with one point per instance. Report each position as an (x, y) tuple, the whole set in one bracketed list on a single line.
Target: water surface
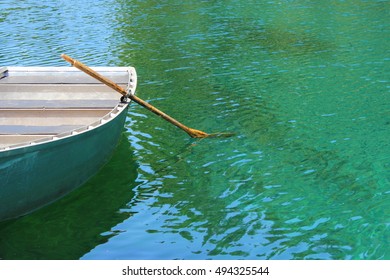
[(303, 84)]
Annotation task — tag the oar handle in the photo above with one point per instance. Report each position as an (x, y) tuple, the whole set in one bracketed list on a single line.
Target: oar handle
[(190, 131), (94, 74)]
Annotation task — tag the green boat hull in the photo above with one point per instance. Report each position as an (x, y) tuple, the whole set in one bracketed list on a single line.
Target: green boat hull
[(39, 174)]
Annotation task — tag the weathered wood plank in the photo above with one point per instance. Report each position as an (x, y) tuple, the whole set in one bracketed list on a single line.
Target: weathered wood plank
[(36, 130), (51, 91), (49, 117), (63, 75), (58, 104), (65, 69), (48, 78)]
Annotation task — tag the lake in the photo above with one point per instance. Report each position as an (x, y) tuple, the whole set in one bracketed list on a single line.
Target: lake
[(305, 87)]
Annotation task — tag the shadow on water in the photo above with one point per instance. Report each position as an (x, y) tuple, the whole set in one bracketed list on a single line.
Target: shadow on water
[(72, 226), (272, 39)]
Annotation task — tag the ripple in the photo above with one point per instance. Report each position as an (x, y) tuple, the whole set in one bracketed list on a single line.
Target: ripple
[(33, 38), (305, 177)]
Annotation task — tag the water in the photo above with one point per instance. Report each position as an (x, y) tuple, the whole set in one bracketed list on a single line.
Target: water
[(303, 84)]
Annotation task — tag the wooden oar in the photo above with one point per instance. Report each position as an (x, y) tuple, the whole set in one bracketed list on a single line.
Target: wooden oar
[(194, 133)]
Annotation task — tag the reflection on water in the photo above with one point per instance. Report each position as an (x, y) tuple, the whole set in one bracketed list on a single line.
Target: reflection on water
[(304, 86)]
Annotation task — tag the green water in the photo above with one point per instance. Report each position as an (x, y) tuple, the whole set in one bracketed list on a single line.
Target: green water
[(303, 84)]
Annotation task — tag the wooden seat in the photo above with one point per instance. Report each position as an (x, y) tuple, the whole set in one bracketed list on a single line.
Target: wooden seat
[(58, 104), (36, 130)]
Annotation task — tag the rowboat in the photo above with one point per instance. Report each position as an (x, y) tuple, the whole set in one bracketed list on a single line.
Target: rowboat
[(58, 127)]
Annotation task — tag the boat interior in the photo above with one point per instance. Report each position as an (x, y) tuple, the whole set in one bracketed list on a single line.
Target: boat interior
[(39, 102)]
